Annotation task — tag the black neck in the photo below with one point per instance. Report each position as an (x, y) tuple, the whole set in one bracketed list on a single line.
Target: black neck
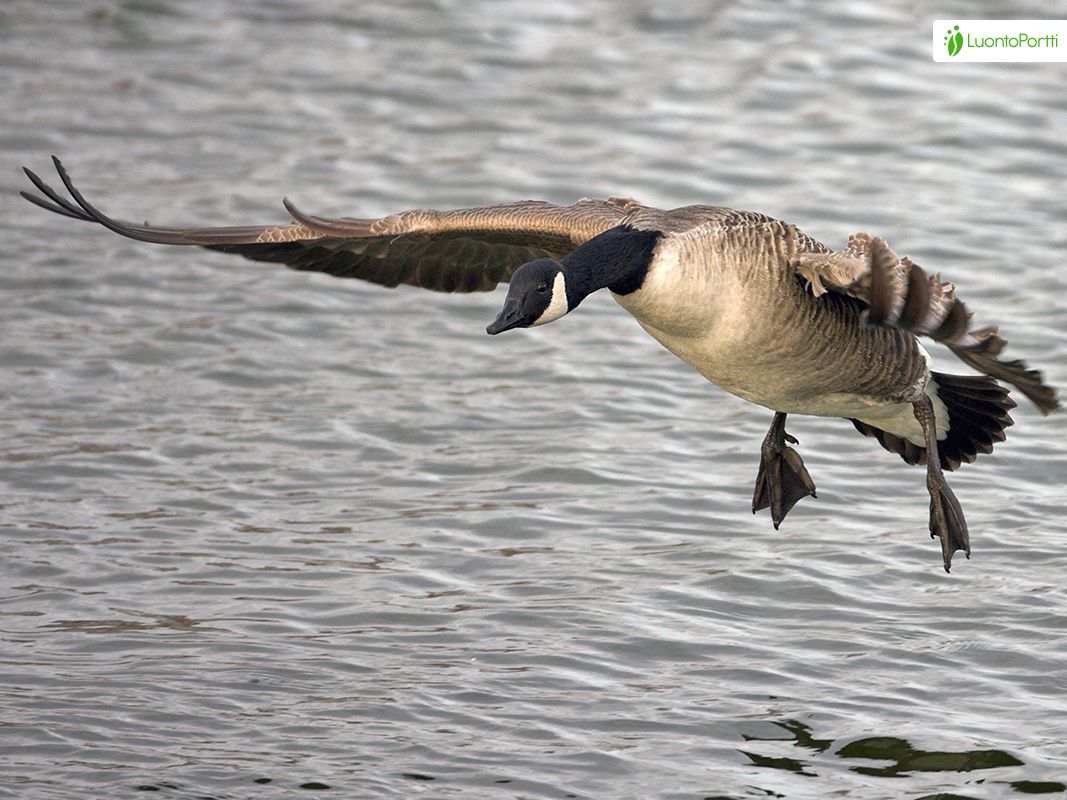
[(617, 259)]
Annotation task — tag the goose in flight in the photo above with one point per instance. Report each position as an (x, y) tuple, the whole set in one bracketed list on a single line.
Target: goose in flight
[(751, 303)]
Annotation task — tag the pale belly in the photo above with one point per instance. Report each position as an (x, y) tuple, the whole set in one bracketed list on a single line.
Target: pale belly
[(736, 366)]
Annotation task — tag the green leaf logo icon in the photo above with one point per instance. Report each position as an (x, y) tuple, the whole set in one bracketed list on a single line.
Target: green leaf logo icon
[(954, 40)]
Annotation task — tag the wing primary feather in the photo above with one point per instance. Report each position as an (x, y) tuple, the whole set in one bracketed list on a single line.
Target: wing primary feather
[(63, 212), (69, 208), (880, 300), (158, 236), (917, 299)]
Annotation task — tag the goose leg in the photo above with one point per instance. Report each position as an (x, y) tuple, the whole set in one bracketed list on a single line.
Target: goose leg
[(782, 478), (946, 516)]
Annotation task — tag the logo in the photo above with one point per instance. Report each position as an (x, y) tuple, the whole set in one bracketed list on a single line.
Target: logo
[(1019, 40), (954, 40)]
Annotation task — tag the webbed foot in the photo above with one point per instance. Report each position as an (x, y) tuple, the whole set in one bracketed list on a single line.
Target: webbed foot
[(946, 520), (782, 479), (946, 516)]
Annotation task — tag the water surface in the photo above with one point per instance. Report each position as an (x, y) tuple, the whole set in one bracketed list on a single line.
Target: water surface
[(266, 532)]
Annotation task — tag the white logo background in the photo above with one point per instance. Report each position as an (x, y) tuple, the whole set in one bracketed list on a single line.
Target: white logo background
[(980, 29)]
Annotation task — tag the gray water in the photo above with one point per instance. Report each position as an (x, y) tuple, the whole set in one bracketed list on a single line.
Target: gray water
[(268, 533)]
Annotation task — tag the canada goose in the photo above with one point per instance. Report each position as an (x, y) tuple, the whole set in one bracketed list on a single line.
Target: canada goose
[(753, 304)]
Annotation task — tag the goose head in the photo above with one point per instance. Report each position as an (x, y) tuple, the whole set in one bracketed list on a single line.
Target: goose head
[(544, 290), (537, 294)]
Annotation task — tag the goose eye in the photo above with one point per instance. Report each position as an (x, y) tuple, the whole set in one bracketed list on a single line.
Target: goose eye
[(542, 287)]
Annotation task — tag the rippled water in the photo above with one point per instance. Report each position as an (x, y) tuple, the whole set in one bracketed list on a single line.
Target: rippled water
[(267, 532)]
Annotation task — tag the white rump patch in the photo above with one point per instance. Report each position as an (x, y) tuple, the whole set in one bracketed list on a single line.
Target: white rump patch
[(899, 419), (558, 305)]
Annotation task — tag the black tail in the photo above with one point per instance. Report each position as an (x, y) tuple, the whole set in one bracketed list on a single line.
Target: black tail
[(977, 416)]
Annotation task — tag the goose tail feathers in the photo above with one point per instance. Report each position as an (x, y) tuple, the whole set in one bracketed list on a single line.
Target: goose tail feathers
[(978, 416)]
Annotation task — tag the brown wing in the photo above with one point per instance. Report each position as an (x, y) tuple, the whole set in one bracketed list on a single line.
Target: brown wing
[(899, 293), (466, 250)]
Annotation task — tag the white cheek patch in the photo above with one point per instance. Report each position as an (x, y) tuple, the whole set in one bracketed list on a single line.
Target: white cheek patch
[(558, 306)]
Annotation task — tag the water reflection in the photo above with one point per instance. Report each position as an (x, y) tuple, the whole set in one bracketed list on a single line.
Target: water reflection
[(901, 759), (907, 759)]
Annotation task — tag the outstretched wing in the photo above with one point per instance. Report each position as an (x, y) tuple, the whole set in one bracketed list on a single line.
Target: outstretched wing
[(466, 250), (899, 293)]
